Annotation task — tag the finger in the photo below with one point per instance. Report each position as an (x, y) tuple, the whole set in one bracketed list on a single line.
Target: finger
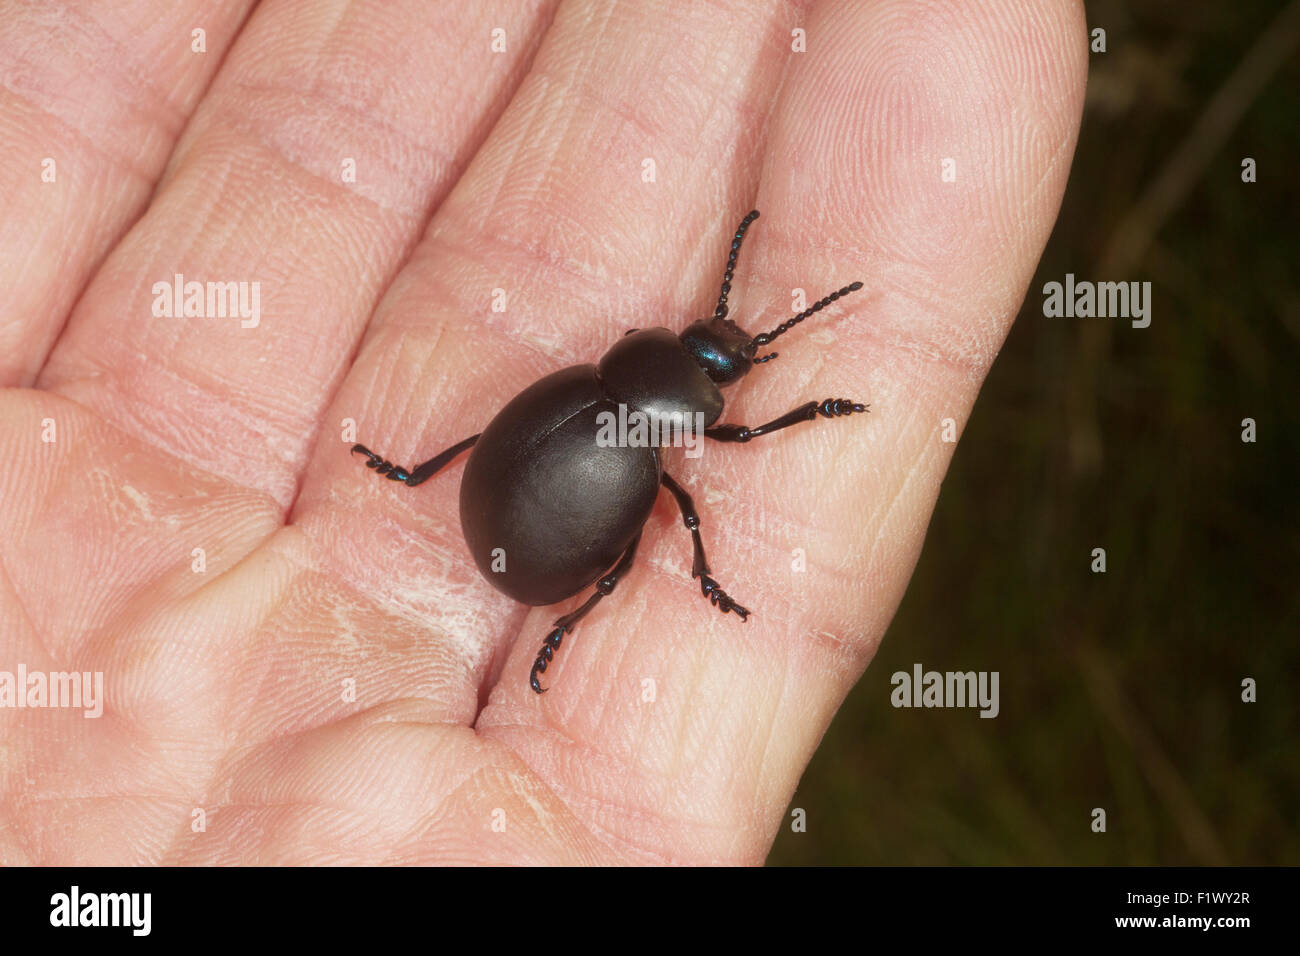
[(93, 97), (307, 174), (574, 272), (685, 740)]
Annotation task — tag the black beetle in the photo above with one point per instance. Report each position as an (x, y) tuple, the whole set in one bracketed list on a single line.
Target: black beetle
[(560, 509)]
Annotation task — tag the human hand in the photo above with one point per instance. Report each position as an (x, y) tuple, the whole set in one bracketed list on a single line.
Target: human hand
[(180, 511)]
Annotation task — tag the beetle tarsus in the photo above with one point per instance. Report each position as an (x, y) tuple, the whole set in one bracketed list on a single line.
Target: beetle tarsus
[(547, 654), (720, 599), (834, 407), (382, 465)]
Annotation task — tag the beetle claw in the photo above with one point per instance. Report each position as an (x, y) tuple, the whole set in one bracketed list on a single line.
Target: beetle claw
[(547, 654), (720, 599)]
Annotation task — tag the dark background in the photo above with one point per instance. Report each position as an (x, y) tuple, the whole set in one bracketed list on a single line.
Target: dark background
[(1119, 690)]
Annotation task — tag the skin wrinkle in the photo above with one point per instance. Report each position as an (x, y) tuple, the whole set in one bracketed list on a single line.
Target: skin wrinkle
[(548, 246), (102, 223), (600, 808), (589, 824), (435, 162), (700, 763), (765, 753), (130, 164), (551, 358), (500, 251), (370, 597), (32, 629), (601, 718), (134, 419), (407, 397), (127, 82), (252, 755), (101, 217)]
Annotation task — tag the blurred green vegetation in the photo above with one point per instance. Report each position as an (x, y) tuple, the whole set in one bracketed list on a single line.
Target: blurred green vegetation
[(1119, 690)]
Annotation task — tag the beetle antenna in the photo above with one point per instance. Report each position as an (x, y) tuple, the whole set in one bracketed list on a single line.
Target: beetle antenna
[(721, 311), (788, 324)]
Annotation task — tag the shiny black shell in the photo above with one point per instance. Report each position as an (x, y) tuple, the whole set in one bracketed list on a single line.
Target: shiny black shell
[(651, 370), (537, 486), (542, 497)]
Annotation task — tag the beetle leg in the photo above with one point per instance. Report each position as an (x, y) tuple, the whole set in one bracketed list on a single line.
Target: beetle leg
[(700, 567), (565, 624), (421, 473), (831, 408)]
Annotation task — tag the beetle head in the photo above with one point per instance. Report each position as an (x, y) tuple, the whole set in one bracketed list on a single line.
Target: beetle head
[(722, 348)]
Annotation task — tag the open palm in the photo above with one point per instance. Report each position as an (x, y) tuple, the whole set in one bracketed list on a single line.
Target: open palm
[(438, 205)]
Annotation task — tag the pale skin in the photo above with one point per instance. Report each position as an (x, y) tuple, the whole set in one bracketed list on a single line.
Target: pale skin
[(327, 678)]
